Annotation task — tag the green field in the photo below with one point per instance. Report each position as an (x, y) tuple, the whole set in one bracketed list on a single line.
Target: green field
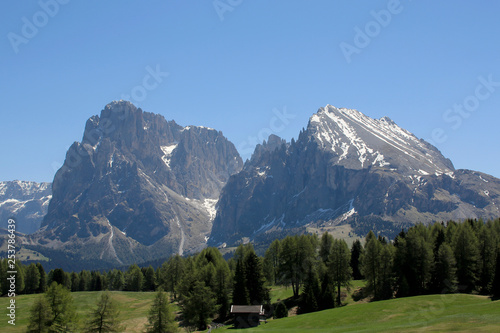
[(434, 313), (133, 306)]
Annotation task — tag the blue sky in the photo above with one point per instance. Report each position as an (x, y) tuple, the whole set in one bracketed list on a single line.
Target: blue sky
[(239, 66)]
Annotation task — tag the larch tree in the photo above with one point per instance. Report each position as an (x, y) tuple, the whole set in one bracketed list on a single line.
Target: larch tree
[(40, 316), (161, 319), (104, 317)]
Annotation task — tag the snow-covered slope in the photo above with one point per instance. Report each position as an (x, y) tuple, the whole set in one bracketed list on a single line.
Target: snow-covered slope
[(347, 174), (358, 141), (26, 201)]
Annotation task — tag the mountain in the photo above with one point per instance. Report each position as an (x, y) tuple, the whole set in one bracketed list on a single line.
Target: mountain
[(136, 188), (26, 201), (348, 173)]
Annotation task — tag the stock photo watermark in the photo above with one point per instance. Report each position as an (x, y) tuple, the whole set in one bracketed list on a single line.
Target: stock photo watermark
[(364, 36), (150, 82), (138, 93), (31, 26), (277, 124), (456, 115), (11, 270), (223, 6)]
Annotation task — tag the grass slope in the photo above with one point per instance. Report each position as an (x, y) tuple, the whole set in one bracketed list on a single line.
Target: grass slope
[(436, 313), (133, 306)]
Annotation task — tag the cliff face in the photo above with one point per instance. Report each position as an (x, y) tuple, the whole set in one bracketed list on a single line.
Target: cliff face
[(137, 187), (347, 174)]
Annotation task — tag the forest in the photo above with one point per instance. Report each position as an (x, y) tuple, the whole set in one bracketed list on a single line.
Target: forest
[(440, 258)]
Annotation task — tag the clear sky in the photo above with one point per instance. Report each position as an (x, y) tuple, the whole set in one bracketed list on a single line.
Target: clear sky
[(248, 68)]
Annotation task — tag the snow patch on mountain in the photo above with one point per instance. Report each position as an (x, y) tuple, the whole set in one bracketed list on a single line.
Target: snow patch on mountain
[(167, 153)]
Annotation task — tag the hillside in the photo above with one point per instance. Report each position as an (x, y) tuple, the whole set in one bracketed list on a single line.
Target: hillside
[(436, 313)]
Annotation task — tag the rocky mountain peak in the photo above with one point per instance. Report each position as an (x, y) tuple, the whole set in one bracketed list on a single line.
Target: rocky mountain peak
[(139, 183), (347, 174), (358, 141), (26, 201)]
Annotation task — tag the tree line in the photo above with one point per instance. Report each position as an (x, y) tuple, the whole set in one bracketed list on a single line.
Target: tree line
[(440, 258)]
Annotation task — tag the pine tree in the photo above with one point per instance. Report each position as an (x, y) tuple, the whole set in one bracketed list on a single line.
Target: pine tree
[(103, 318), (32, 279), (356, 251), (466, 249), (255, 281), (75, 281), (311, 292), (134, 278), (339, 266), (161, 319), (444, 279), (149, 279), (63, 310), (386, 277), (370, 262), (272, 262), (171, 274), (325, 247), (199, 306), (327, 295), (419, 259), (487, 252), (85, 281), (42, 286), (495, 286), (118, 280), (40, 316), (223, 289), (240, 291)]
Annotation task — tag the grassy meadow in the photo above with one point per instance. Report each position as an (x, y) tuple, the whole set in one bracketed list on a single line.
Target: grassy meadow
[(436, 313)]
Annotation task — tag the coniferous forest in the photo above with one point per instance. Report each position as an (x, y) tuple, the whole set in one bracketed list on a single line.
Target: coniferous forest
[(435, 259)]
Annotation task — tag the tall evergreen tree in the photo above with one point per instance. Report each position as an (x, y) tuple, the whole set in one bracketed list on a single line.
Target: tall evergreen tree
[(149, 279), (339, 266), (32, 280), (103, 318), (63, 311), (42, 286), (171, 274), (327, 296), (487, 254), (495, 286), (40, 316), (199, 306), (386, 276), (466, 249), (240, 291), (356, 251), (444, 278), (325, 247), (419, 259), (255, 281), (75, 281), (311, 293), (297, 253), (370, 263), (161, 319), (85, 281), (272, 262), (223, 289), (134, 278), (118, 280)]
